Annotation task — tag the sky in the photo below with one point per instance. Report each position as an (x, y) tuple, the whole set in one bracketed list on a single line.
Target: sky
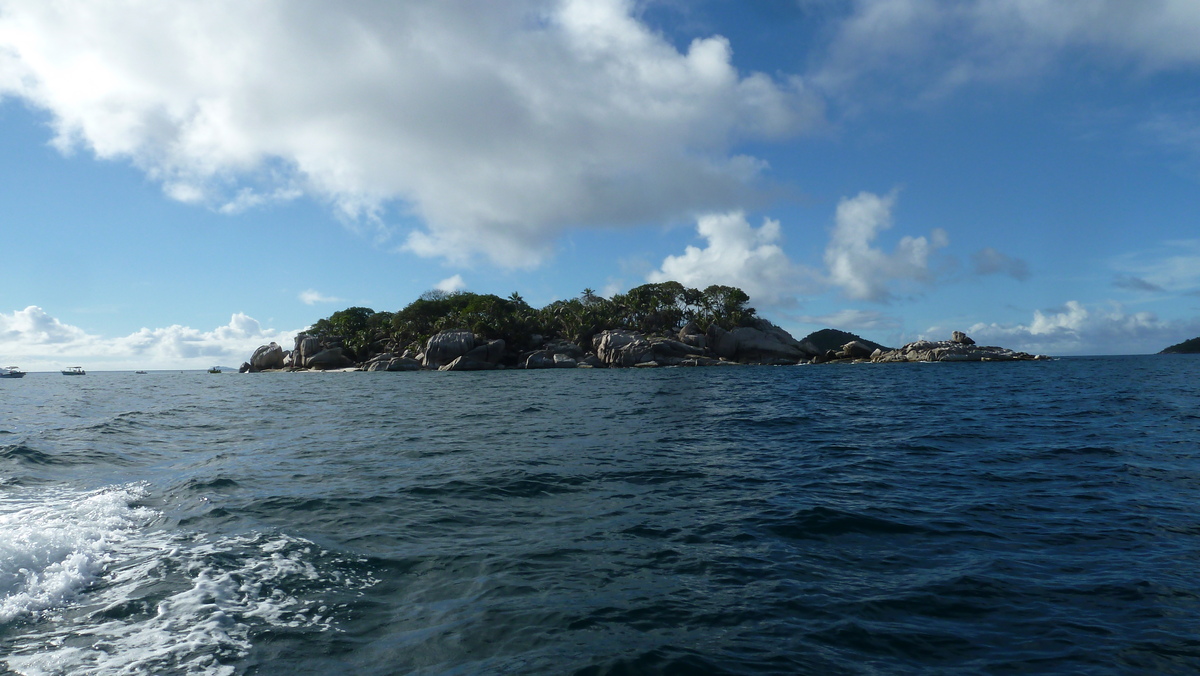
[(182, 182)]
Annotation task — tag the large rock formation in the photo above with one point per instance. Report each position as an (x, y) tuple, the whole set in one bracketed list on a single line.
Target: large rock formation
[(267, 357), (445, 347), (763, 343), (329, 359), (306, 347), (622, 348)]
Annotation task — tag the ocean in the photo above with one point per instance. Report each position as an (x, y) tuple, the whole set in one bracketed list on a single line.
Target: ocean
[(1032, 517)]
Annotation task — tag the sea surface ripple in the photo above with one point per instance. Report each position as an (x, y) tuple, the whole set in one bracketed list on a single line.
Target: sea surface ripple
[(1039, 517)]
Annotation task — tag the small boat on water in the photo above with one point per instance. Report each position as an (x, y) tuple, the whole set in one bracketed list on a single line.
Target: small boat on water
[(141, 373), (74, 371), (215, 369), (11, 372)]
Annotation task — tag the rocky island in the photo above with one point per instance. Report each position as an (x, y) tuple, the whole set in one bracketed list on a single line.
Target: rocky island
[(654, 325)]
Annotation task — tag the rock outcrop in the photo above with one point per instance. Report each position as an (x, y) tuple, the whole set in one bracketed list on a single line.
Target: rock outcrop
[(329, 359), (465, 363), (958, 348), (445, 347), (267, 357), (306, 347), (763, 343), (622, 348)]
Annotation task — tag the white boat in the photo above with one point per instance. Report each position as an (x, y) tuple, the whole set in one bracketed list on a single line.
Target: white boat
[(74, 371), (11, 372)]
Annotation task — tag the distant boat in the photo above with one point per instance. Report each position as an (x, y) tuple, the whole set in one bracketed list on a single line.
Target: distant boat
[(215, 369), (140, 372), (74, 371), (11, 372)]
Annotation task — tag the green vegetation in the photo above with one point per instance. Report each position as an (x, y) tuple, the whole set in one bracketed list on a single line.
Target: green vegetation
[(1186, 347), (650, 308)]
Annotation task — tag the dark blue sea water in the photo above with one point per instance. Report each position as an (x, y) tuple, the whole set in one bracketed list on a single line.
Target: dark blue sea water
[(1039, 517)]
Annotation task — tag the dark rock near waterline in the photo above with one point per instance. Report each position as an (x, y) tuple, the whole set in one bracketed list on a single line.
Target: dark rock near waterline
[(491, 351), (465, 363), (329, 359), (856, 349), (765, 343)]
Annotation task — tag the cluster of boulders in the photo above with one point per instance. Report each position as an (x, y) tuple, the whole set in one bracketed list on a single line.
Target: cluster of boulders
[(761, 343), (960, 347)]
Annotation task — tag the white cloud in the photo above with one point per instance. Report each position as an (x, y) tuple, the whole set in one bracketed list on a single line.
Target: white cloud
[(1076, 328), (451, 284), (312, 297), (494, 124), (936, 46), (864, 272), (36, 341), (738, 255)]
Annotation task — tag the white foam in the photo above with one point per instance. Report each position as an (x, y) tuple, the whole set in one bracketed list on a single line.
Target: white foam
[(83, 570), (52, 550)]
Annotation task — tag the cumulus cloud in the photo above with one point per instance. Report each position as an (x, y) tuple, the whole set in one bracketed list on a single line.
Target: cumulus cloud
[(864, 272), (737, 254), (451, 284), (936, 46), (493, 125), (312, 297), (37, 341), (989, 261), (1077, 328)]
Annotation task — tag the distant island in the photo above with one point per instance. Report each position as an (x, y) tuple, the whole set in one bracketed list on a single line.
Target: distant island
[(1186, 347), (661, 324)]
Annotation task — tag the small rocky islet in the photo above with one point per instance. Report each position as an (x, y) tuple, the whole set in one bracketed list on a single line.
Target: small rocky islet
[(760, 342)]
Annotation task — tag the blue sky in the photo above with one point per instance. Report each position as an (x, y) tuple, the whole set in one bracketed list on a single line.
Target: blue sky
[(182, 182)]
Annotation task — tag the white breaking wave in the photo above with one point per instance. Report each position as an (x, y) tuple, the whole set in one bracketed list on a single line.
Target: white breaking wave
[(51, 551), (89, 587)]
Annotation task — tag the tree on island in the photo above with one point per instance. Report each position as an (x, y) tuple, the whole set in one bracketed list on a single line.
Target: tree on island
[(649, 309)]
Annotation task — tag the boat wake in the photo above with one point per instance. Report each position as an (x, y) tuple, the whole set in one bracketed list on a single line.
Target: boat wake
[(89, 585)]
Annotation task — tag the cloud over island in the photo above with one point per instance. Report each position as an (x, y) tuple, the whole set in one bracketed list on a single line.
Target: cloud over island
[(496, 127)]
